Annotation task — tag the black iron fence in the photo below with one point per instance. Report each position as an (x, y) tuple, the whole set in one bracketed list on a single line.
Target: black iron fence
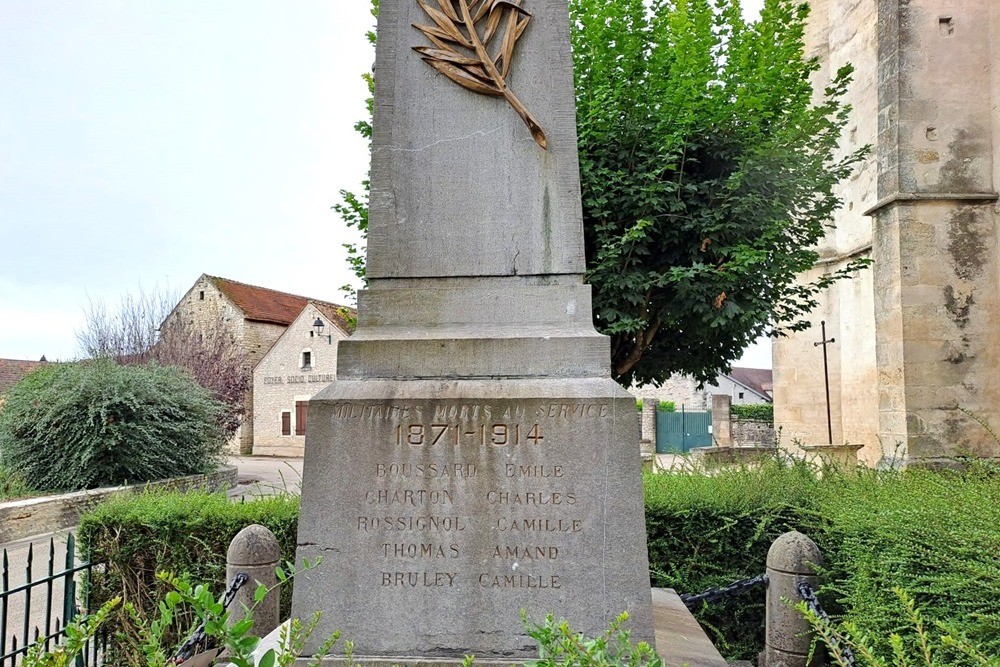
[(39, 609)]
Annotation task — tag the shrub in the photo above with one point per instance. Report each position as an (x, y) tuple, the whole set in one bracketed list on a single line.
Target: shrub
[(85, 425), (918, 643), (933, 534), (667, 406), (138, 535), (706, 530), (763, 412)]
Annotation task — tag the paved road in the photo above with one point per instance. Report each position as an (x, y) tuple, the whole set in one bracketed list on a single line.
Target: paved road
[(261, 476)]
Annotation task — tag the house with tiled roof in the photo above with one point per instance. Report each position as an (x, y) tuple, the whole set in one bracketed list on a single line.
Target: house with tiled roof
[(12, 370), (742, 385), (297, 367), (255, 317)]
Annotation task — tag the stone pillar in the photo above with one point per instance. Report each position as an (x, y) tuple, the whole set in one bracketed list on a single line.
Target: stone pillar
[(937, 274), (791, 559), (255, 551), (722, 426), (474, 411), (650, 405)]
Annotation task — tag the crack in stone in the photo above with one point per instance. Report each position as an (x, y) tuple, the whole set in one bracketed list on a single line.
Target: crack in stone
[(477, 133)]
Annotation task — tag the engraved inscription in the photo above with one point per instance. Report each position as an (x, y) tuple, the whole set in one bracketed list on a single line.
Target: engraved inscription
[(506, 524), (455, 435), (410, 550), (547, 471), (376, 412), (530, 498), (520, 581), (413, 498), (412, 523), (574, 410), (526, 552), (441, 513), (461, 470), (419, 579)]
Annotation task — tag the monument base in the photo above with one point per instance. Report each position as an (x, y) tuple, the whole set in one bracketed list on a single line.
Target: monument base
[(442, 508), (680, 640)]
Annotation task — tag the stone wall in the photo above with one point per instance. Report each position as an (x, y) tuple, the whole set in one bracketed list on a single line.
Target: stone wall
[(207, 309), (937, 219), (752, 432), (839, 33), (918, 341)]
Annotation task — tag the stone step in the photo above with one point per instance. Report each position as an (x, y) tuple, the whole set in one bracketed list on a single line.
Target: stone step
[(680, 640)]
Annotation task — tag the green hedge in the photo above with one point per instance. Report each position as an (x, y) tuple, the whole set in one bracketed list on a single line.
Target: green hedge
[(934, 534), (711, 530), (662, 406), (763, 412), (136, 536)]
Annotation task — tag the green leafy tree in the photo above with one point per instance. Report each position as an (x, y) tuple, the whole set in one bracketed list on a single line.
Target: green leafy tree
[(353, 209), (707, 176), (707, 171), (89, 424)]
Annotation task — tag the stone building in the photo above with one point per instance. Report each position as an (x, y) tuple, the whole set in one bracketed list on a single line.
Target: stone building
[(914, 364), (255, 317), (742, 385), (302, 362)]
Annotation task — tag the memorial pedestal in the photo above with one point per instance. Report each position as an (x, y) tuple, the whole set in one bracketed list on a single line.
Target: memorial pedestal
[(459, 503)]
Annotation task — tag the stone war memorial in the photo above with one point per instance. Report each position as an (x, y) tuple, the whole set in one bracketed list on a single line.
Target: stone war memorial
[(474, 457)]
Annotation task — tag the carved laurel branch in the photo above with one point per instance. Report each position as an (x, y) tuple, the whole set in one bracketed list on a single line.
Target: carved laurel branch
[(462, 34)]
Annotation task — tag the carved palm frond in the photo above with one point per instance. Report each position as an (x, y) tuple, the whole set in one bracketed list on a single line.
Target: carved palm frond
[(463, 33)]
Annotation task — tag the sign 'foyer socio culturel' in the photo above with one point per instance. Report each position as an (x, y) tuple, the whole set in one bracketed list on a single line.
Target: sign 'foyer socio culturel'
[(473, 457)]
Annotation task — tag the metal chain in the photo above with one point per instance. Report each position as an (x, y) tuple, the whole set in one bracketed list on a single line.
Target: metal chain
[(187, 649), (735, 588), (812, 602)]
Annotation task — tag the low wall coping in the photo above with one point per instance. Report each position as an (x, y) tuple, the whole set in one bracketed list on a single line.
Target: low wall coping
[(27, 517)]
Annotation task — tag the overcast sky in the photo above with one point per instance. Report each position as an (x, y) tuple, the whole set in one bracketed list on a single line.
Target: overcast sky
[(145, 142)]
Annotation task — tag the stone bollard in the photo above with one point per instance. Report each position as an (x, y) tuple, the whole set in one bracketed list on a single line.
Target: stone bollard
[(255, 551), (791, 559)]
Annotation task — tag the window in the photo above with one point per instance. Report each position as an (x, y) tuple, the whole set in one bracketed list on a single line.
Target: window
[(201, 295), (307, 358), (741, 394), (301, 412), (286, 423)]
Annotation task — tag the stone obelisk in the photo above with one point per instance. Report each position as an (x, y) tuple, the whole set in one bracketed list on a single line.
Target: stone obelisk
[(474, 457)]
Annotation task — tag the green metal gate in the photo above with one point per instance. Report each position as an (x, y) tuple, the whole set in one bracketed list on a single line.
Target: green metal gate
[(679, 432)]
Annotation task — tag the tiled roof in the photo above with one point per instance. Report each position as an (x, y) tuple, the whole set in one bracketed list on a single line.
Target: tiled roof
[(12, 370), (759, 379), (342, 317), (259, 303)]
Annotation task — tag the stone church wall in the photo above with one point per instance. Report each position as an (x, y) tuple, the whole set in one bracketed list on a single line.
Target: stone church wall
[(918, 341), (839, 33)]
